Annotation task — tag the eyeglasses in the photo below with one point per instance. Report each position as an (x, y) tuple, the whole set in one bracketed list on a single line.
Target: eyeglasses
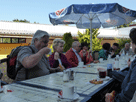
[(45, 42)]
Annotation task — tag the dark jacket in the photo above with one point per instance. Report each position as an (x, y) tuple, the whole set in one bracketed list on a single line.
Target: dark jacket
[(128, 85)]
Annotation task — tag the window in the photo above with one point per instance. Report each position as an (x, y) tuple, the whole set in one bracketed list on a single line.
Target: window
[(6, 40), (0, 40), (12, 40), (22, 40)]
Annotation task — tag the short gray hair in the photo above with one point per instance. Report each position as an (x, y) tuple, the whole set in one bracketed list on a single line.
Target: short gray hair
[(38, 35), (75, 43), (57, 41), (127, 43)]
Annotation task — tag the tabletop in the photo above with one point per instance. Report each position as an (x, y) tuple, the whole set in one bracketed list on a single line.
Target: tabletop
[(46, 88)]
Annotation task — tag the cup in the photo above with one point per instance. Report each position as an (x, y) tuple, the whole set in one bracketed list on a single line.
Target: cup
[(101, 60), (80, 64), (102, 73), (68, 91)]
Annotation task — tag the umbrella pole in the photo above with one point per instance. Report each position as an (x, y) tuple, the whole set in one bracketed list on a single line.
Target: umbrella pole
[(91, 34)]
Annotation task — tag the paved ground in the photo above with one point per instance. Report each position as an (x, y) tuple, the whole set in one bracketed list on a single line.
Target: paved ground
[(3, 68)]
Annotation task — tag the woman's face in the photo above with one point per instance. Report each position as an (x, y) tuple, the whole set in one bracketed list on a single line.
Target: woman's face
[(85, 48), (133, 46), (59, 48)]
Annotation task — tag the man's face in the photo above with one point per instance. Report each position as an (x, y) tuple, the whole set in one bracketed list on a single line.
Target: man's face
[(114, 47), (42, 43), (59, 48), (127, 46), (78, 47)]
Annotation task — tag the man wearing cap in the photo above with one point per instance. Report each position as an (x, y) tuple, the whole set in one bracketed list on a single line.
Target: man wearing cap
[(113, 49), (33, 59)]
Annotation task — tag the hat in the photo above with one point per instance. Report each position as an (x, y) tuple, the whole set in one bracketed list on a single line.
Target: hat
[(39, 34)]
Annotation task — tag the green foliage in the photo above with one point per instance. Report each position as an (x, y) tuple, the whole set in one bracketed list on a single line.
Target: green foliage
[(67, 37), (25, 21), (51, 47), (121, 42), (85, 38), (123, 26)]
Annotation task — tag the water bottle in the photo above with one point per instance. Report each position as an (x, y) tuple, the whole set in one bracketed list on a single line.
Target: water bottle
[(116, 63), (123, 55), (109, 65)]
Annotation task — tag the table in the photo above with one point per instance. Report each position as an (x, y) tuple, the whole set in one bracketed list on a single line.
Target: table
[(46, 88)]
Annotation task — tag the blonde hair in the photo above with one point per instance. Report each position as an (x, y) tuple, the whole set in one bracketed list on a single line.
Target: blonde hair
[(57, 41)]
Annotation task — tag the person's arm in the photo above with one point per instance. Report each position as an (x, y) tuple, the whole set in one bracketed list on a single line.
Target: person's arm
[(53, 63), (65, 62), (30, 60)]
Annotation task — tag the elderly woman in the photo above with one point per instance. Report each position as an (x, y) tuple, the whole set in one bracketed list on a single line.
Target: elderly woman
[(85, 55), (103, 53), (128, 87), (58, 59)]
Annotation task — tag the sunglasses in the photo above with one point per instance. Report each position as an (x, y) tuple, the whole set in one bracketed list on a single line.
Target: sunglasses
[(45, 42)]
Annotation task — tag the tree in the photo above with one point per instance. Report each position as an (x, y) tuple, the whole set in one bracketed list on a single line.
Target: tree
[(25, 21), (85, 38), (126, 25), (67, 37)]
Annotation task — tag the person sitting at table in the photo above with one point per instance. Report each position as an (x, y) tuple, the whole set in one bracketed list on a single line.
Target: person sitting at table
[(34, 64), (113, 50), (128, 86), (72, 54), (58, 58), (85, 55), (103, 53), (127, 49)]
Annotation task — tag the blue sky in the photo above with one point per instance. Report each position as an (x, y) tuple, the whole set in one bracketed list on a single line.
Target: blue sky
[(38, 10)]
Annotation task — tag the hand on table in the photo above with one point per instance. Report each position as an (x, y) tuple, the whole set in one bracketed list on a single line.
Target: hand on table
[(109, 97), (60, 68)]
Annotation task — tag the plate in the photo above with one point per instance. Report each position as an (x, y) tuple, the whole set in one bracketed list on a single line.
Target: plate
[(105, 79), (75, 97), (60, 73)]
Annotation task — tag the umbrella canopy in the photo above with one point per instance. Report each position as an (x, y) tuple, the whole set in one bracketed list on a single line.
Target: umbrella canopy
[(93, 16)]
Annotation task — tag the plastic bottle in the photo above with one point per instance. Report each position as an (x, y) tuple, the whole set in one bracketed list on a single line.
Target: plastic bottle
[(123, 55), (116, 63), (109, 65)]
